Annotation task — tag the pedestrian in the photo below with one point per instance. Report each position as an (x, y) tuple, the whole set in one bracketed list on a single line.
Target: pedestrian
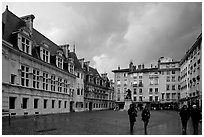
[(145, 118), (132, 112), (185, 115), (196, 117)]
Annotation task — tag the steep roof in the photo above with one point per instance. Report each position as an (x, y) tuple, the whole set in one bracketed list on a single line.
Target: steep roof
[(94, 71), (11, 24), (76, 61)]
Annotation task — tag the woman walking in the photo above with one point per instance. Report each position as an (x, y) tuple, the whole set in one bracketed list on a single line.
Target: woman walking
[(145, 118)]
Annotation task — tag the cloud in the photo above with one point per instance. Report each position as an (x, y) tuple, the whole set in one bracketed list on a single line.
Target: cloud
[(112, 34)]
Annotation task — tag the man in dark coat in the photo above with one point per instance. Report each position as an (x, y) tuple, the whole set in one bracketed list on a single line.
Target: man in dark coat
[(132, 112), (145, 118), (184, 114), (196, 117)]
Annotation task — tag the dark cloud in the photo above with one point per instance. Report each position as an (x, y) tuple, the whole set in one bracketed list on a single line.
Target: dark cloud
[(112, 34)]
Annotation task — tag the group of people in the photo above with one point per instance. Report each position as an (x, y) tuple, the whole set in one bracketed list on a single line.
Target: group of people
[(195, 114), (185, 113), (132, 112)]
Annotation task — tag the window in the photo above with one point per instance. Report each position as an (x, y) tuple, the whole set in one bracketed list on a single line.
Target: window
[(36, 103), (135, 98), (173, 79), (71, 68), (173, 95), (173, 72), (36, 78), (45, 103), (45, 55), (13, 78), (25, 45), (59, 84), (78, 91), (52, 83), (156, 98), (150, 91), (167, 96), (167, 87), (135, 91), (162, 96), (140, 91), (24, 76), (178, 95), (45, 80), (65, 104), (82, 91), (118, 91), (118, 98), (59, 104), (25, 101), (167, 66), (53, 103), (78, 75), (59, 62), (12, 103), (150, 98), (168, 79), (118, 82), (65, 86), (140, 98), (156, 90), (173, 87)]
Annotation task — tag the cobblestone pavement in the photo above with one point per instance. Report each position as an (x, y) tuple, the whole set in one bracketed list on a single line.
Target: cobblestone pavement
[(96, 123)]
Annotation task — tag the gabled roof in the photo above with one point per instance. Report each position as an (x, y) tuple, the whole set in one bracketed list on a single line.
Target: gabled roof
[(76, 61)]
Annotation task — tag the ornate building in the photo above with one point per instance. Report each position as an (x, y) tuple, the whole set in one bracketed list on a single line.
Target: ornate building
[(37, 77)]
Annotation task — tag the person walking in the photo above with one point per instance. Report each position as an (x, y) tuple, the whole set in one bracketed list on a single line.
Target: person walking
[(196, 117), (145, 118), (132, 112), (185, 115)]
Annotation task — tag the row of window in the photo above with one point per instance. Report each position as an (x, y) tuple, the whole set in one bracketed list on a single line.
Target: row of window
[(171, 87), (42, 82), (36, 103), (173, 96), (171, 79), (26, 45)]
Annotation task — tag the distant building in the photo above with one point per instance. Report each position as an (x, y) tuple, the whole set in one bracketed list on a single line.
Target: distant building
[(37, 77), (97, 89), (166, 84), (191, 74)]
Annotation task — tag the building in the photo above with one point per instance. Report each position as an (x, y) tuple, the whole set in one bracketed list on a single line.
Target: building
[(120, 86), (37, 76), (155, 84), (191, 75), (97, 89)]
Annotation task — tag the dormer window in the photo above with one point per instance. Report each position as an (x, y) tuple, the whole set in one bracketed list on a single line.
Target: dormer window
[(24, 44), (45, 55), (59, 62)]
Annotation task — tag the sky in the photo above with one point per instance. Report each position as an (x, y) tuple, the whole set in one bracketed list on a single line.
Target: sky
[(113, 34)]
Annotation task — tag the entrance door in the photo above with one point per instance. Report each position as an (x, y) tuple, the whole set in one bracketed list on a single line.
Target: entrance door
[(71, 106), (90, 106)]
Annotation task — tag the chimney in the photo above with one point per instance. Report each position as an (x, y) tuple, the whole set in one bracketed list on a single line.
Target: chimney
[(118, 67), (82, 62), (151, 65), (131, 66), (87, 64), (29, 21), (134, 68), (139, 66), (143, 66), (66, 49)]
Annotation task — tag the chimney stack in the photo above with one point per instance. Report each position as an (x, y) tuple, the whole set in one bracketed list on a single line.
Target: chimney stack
[(82, 62), (29, 21)]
